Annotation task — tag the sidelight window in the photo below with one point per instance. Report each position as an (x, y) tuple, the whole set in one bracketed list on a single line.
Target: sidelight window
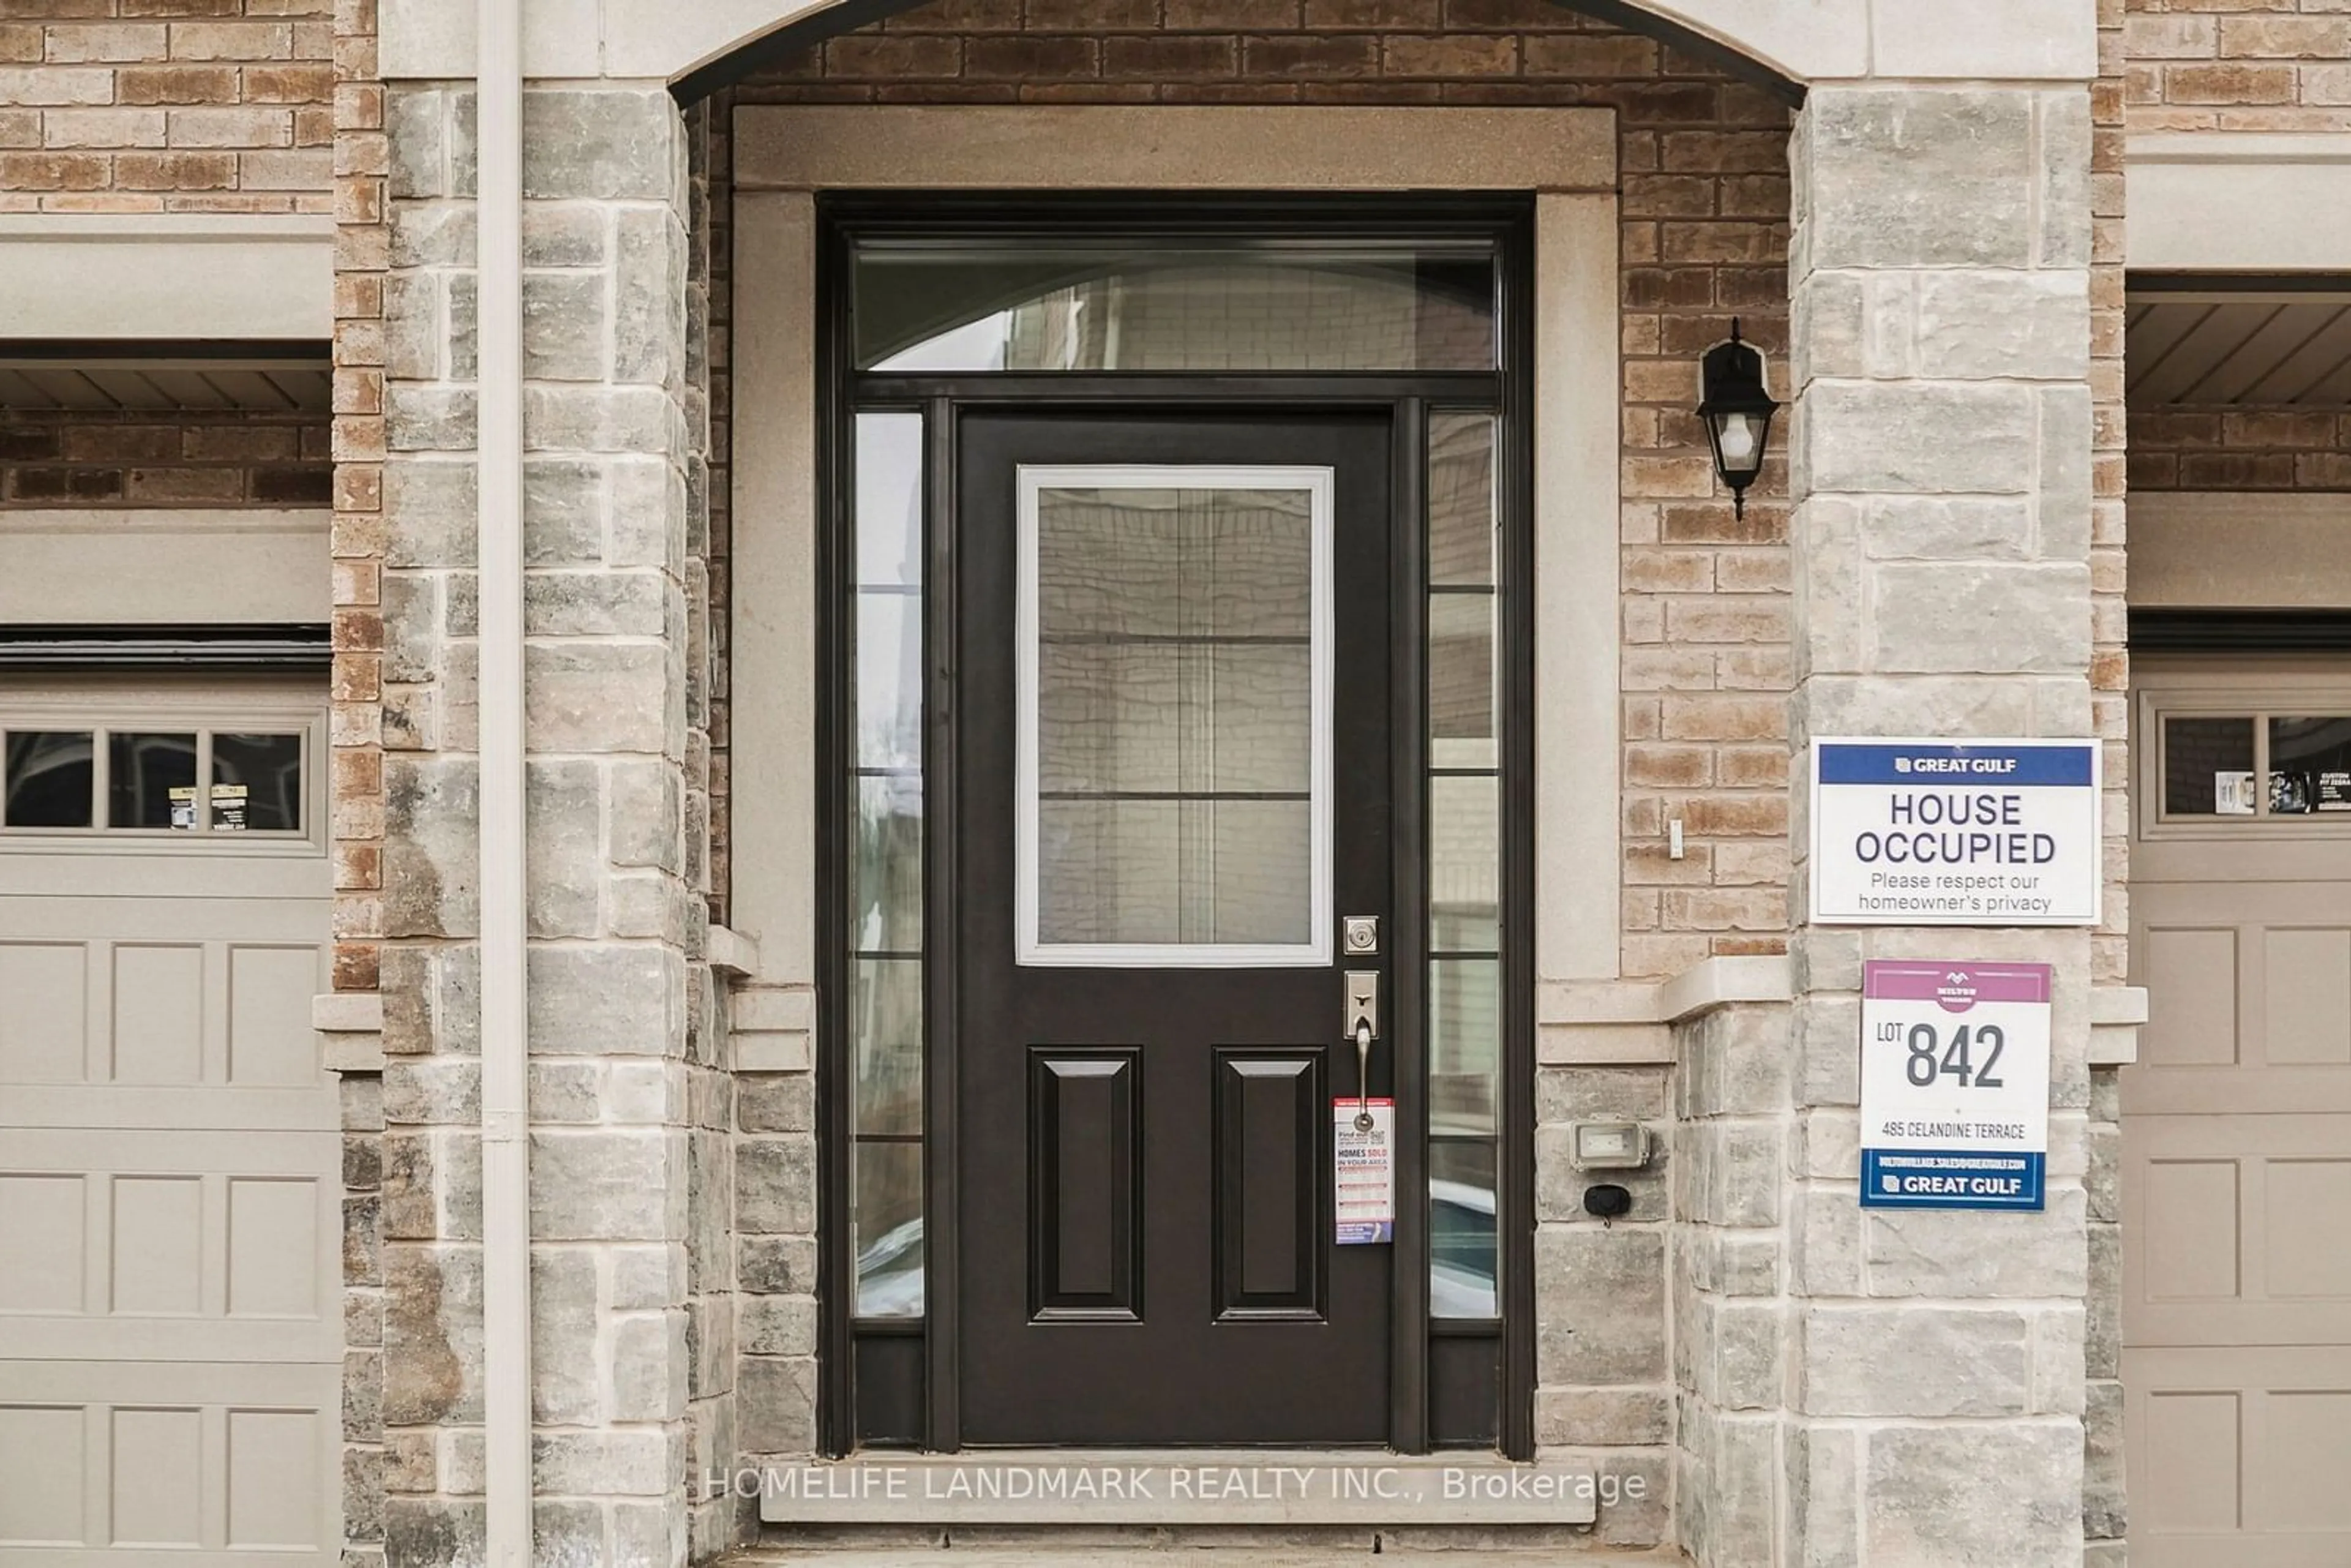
[(1464, 868), (885, 917)]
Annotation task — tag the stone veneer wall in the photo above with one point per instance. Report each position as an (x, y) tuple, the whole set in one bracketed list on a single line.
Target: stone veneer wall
[(630, 1151), (1966, 309)]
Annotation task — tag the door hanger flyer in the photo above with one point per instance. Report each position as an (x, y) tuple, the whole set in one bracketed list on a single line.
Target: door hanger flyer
[(1954, 1084), (1364, 1169)]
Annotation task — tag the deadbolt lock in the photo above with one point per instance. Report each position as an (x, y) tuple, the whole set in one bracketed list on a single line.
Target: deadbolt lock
[(1360, 933)]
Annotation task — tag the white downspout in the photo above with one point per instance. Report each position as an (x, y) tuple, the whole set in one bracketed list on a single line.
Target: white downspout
[(506, 1012)]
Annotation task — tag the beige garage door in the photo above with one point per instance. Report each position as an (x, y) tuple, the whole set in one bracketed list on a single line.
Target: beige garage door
[(2237, 1121), (169, 1327)]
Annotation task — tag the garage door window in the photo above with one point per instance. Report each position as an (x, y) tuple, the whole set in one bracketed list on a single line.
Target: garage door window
[(2252, 766), (51, 778), (2310, 761), (154, 779)]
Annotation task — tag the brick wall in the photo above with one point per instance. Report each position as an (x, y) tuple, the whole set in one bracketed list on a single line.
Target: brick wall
[(2250, 65), (119, 106), (2193, 448), (362, 251), (129, 106), (2110, 662), (76, 459), (1704, 239)]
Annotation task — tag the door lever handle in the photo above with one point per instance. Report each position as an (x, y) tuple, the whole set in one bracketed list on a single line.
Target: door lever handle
[(1364, 1023), (1363, 1078)]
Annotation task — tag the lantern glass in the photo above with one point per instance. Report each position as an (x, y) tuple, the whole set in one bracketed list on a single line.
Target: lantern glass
[(1741, 438)]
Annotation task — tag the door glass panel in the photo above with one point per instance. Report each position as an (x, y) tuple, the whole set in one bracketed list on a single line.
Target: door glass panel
[(889, 914), (151, 779), (889, 680), (885, 800), (1325, 306), (889, 500), (2208, 767), (2310, 764), (1175, 716), (886, 1014), (1465, 1043), (1461, 679), (1461, 1255), (256, 783), (1461, 500), (49, 778), (888, 1201), (1464, 863)]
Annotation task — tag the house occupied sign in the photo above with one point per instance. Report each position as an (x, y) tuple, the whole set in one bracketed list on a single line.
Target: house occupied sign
[(1938, 832)]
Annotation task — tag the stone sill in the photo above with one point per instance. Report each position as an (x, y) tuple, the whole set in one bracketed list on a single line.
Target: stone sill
[(1630, 1022), (350, 1026), (1592, 1023), (732, 954), (2115, 1014), (773, 1029)]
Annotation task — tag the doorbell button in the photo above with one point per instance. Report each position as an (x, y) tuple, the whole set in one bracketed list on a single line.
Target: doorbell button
[(1607, 1202)]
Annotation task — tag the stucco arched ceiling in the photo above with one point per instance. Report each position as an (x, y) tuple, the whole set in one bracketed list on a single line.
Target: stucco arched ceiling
[(1792, 44)]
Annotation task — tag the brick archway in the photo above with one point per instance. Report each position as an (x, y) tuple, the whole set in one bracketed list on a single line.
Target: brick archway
[(1795, 44), (1779, 51)]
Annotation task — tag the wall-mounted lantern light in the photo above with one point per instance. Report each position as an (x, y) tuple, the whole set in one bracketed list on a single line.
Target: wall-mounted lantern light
[(1738, 410)]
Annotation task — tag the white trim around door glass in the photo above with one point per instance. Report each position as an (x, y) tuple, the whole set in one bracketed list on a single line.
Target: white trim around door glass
[(1030, 950)]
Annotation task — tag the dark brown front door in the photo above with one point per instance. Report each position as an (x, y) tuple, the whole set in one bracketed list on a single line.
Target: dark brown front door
[(1173, 668)]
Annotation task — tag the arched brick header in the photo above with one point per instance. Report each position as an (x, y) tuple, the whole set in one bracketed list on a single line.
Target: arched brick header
[(813, 22), (1792, 44)]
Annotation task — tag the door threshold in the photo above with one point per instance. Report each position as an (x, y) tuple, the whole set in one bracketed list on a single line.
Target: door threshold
[(1364, 1488), (1094, 1555)]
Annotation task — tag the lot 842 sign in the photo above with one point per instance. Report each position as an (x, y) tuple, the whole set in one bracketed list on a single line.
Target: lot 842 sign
[(1954, 1084)]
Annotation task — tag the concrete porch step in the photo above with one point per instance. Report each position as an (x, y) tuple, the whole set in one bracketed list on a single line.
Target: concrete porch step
[(1046, 1553)]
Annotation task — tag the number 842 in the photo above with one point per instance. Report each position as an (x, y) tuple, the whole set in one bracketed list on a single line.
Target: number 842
[(1931, 1058)]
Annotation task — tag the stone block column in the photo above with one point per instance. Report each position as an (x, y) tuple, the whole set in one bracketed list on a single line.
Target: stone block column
[(1931, 1387), (630, 1358)]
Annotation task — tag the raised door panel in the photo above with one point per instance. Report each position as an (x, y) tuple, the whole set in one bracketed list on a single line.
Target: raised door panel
[(110, 1025), (2238, 1457), (170, 1245), (1268, 1207), (2232, 1228), (2307, 975), (1085, 1241), (2249, 998), (205, 1465)]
